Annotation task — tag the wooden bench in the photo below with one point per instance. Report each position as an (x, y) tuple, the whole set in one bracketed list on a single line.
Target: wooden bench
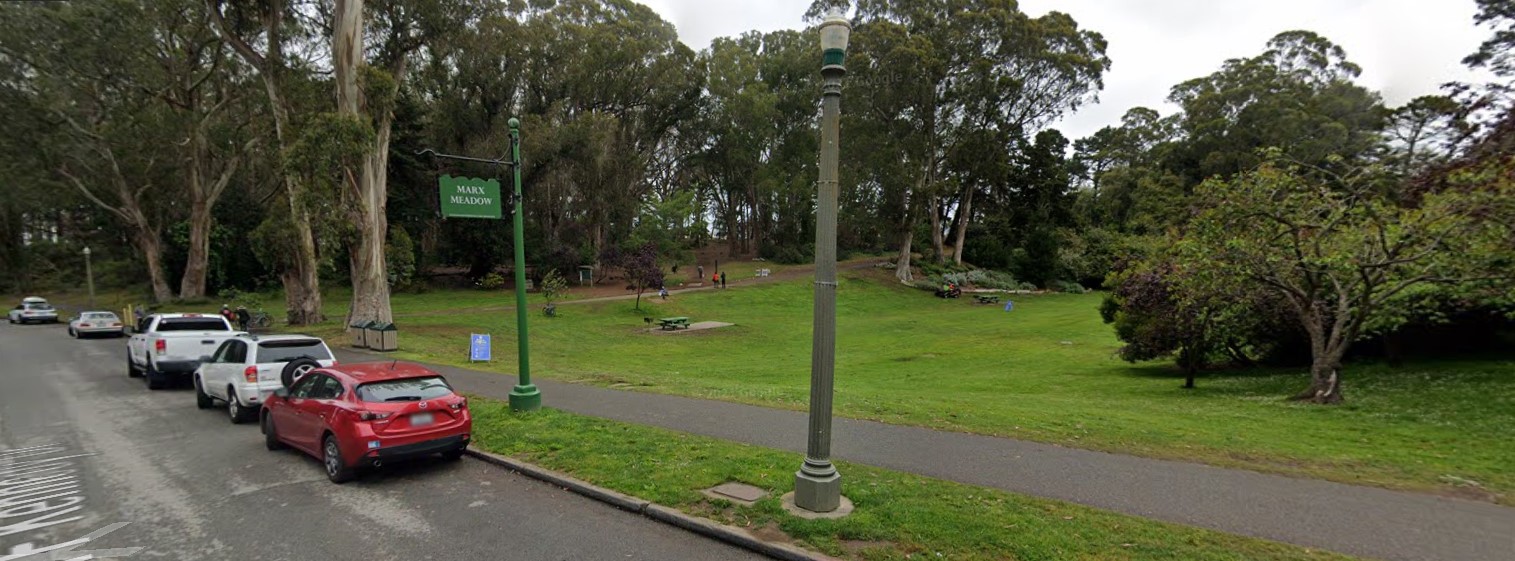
[(987, 299), (669, 324)]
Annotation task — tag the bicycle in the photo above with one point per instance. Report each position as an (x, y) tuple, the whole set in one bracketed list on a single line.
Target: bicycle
[(260, 320)]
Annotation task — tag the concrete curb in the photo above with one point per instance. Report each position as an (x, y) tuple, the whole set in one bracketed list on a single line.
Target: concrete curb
[(673, 517)]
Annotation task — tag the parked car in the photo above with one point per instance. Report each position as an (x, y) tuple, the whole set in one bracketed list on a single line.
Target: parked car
[(246, 369), (96, 323), (168, 347), (355, 416), (33, 310)]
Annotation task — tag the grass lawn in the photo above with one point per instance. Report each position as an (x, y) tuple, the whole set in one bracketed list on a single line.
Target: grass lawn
[(897, 514), (1045, 371)]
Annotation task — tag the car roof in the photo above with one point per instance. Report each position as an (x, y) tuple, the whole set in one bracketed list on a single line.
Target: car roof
[(34, 300), (281, 337), (365, 372), (97, 312), (188, 315)]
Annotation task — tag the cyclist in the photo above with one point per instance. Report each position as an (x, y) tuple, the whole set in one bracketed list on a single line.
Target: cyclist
[(242, 318)]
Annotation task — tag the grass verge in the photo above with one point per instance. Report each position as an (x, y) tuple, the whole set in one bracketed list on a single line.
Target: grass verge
[(898, 516)]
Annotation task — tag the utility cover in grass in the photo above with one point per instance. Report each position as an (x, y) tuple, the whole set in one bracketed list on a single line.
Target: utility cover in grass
[(736, 492)]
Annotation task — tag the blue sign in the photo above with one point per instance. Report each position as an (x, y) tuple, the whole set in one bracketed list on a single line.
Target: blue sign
[(478, 347)]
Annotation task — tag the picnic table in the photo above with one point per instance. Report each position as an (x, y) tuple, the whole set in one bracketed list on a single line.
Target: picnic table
[(669, 324), (987, 298)]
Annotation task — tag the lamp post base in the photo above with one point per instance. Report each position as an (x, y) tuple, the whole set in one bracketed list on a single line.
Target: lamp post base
[(525, 398), (817, 493)]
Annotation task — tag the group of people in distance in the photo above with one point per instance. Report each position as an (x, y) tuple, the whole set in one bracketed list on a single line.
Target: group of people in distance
[(240, 317)]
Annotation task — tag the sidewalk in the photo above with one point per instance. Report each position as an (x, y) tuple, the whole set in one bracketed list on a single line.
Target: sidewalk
[(1362, 521)]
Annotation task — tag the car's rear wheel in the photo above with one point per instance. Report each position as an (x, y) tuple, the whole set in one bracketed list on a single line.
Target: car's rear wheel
[(270, 437), (131, 369), (72, 333), (202, 400), (336, 470), (234, 408), (155, 380)]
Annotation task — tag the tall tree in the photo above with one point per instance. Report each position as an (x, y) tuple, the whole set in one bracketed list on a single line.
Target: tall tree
[(93, 79), (267, 24), (974, 65)]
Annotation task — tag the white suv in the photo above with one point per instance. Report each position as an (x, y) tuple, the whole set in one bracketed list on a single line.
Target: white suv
[(246, 369)]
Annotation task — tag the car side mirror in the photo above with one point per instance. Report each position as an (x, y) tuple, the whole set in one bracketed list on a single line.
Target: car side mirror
[(281, 392)]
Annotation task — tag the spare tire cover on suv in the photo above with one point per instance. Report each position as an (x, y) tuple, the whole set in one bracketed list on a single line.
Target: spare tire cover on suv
[(295, 369)]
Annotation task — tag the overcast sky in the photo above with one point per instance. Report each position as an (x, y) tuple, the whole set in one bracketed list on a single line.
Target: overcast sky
[(1406, 47)]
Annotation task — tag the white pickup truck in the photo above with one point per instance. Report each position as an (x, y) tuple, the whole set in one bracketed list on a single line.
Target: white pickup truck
[(168, 347)]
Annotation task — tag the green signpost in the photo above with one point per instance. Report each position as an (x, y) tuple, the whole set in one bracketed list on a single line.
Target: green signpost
[(468, 197)]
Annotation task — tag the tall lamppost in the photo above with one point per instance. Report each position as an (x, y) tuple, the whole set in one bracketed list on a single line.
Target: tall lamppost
[(524, 396), (817, 485), (89, 275)]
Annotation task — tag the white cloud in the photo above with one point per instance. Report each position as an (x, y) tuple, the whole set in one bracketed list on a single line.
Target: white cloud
[(1406, 47)]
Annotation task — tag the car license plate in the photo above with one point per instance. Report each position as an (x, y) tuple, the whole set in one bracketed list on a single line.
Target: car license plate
[(420, 419)]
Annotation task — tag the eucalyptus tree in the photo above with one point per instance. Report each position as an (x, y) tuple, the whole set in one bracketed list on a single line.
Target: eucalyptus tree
[(261, 32), (950, 74), (85, 67)]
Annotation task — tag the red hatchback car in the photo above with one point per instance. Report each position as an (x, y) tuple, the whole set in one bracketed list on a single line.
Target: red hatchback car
[(359, 415)]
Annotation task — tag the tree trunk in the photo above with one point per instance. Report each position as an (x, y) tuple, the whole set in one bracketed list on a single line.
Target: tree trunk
[(1189, 377), (1325, 383), (192, 285), (902, 267), (302, 281), (938, 244), (151, 246), (964, 214), (370, 192)]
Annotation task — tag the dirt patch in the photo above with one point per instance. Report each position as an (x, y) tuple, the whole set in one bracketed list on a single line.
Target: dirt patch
[(861, 547), (770, 532)]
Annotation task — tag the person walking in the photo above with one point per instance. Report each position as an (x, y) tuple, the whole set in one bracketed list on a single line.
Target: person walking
[(715, 280), (700, 272), (723, 279), (663, 291), (242, 318)]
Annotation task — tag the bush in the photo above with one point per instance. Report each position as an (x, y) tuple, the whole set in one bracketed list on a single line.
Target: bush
[(491, 281), (1067, 287), (1026, 286), (997, 280), (927, 285)]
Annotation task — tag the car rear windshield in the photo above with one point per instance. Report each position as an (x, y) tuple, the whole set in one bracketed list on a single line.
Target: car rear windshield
[(285, 351), (39, 306), (192, 324), (408, 389), (103, 316)]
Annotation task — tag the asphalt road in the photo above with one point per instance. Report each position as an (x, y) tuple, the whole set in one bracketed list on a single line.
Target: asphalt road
[(83, 447)]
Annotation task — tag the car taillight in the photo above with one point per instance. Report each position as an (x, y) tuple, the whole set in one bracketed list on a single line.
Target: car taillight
[(373, 415), (460, 404), (251, 374), (83, 325), (161, 345), (115, 325)]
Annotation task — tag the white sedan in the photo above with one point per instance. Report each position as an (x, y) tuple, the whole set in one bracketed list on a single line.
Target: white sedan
[(96, 323)]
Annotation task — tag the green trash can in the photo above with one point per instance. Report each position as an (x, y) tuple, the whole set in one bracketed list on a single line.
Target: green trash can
[(360, 334), (383, 337)]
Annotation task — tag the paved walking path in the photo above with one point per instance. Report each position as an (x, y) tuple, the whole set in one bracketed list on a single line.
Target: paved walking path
[(1363, 521)]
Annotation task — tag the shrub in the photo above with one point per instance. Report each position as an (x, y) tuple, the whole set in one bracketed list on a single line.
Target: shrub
[(927, 285), (491, 281), (1067, 287), (1026, 286)]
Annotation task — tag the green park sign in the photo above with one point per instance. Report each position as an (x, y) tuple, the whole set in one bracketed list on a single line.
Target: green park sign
[(470, 197)]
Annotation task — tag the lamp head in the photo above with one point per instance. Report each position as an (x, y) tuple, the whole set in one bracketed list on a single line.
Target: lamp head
[(835, 31)]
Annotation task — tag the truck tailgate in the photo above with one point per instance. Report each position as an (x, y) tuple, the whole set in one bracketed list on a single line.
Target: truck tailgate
[(191, 345)]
